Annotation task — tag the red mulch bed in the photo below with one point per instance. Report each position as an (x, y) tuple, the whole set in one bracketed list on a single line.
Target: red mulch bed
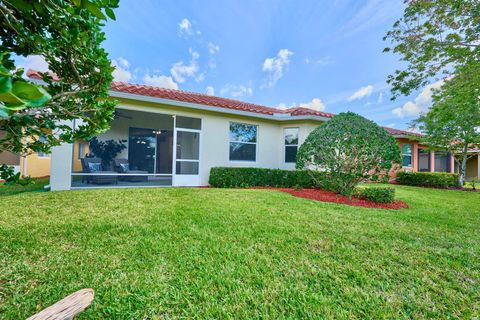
[(328, 196)]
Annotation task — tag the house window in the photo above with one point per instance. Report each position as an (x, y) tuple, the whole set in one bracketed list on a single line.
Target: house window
[(41, 154), (243, 142), (290, 136), (423, 160), (406, 155)]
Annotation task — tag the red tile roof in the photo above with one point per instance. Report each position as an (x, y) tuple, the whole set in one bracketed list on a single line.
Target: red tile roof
[(199, 98), (191, 97), (397, 132), (208, 100), (204, 99), (35, 74)]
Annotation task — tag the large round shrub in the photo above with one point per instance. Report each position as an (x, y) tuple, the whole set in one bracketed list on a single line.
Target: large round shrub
[(349, 149)]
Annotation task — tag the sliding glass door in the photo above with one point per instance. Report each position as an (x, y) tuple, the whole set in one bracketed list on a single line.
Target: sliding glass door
[(142, 149), (151, 150)]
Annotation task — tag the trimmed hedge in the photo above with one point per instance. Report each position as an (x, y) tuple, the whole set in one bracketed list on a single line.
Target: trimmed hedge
[(377, 194), (428, 179), (228, 177)]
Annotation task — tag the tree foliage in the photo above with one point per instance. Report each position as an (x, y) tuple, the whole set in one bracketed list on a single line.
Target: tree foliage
[(453, 122), (349, 149), (107, 150), (432, 37), (68, 35)]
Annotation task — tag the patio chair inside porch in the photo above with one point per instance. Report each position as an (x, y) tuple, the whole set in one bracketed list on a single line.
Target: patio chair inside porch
[(94, 165), (123, 166)]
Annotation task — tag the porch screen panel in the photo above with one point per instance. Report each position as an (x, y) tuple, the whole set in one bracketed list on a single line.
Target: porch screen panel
[(188, 153), (442, 162)]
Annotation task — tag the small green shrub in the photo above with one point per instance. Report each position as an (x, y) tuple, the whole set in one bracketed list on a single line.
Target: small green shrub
[(8, 175), (377, 194), (226, 177), (428, 179)]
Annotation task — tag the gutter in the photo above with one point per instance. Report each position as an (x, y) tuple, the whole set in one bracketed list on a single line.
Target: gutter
[(203, 107)]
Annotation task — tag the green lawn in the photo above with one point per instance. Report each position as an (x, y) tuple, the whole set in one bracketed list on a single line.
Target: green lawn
[(38, 186), (211, 253)]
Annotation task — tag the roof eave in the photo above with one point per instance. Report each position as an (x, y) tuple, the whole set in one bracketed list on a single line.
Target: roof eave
[(203, 107)]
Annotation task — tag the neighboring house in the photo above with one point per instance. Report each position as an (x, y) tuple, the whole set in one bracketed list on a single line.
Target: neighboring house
[(473, 165), (35, 165), (207, 131)]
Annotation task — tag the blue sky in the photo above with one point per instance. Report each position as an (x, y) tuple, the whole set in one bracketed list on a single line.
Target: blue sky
[(325, 55)]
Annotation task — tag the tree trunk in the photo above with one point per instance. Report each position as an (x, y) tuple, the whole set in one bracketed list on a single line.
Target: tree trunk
[(463, 166)]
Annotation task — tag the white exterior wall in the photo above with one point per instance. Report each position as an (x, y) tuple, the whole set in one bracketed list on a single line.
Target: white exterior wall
[(214, 145), (61, 166), (215, 139)]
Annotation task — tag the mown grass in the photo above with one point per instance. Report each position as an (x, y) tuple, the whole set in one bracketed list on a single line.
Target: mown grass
[(212, 253), (37, 186)]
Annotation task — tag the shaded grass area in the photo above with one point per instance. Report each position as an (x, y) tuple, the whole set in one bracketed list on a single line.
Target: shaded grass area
[(38, 186), (229, 253)]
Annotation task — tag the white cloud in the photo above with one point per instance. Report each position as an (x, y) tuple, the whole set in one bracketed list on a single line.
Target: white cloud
[(121, 72), (422, 102), (181, 71), (185, 27), (380, 98), (160, 81), (210, 91), (319, 62), (236, 90), (213, 48), (200, 77), (316, 104), (275, 67), (323, 61), (361, 93), (35, 62)]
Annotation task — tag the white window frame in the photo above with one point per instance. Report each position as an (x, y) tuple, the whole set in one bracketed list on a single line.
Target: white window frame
[(285, 145), (81, 150), (254, 143)]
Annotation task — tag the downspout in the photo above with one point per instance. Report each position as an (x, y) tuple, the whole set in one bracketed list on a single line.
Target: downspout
[(25, 171)]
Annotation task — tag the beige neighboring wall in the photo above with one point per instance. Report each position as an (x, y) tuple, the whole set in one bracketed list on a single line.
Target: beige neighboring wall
[(473, 167), (32, 165), (8, 158), (36, 166)]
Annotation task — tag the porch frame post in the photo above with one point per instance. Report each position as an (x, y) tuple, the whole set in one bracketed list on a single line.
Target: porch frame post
[(432, 161), (61, 165)]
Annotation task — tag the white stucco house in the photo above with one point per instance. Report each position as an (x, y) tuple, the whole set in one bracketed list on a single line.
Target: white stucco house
[(174, 138)]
